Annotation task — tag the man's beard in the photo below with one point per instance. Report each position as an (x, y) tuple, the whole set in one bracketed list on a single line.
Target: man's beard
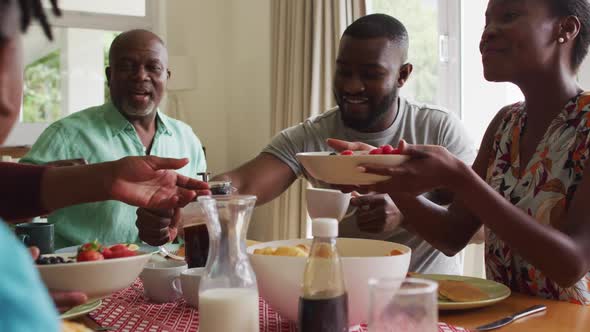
[(376, 113), (128, 109)]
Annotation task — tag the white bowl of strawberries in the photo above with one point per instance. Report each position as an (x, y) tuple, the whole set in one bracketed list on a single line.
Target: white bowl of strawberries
[(342, 168), (94, 269)]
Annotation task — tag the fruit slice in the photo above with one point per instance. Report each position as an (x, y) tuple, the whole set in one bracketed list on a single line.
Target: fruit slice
[(387, 149)]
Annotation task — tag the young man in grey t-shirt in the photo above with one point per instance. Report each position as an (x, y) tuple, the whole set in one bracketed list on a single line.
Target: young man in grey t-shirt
[(371, 68), (414, 123)]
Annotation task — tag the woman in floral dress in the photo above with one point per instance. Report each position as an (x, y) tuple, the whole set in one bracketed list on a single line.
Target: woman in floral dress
[(534, 155)]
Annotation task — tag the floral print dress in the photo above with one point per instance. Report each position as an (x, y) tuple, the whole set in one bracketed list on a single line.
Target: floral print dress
[(543, 189)]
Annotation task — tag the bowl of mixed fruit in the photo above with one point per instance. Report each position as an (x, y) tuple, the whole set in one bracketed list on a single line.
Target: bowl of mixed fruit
[(342, 168), (95, 269)]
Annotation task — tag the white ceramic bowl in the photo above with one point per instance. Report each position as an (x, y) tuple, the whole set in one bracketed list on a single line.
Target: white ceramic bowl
[(338, 169), (97, 279), (280, 278)]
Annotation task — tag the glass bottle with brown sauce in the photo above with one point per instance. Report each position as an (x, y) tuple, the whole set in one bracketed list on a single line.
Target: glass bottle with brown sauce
[(323, 305)]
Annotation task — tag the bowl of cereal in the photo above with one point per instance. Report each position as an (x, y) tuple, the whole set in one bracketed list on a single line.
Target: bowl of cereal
[(279, 267)]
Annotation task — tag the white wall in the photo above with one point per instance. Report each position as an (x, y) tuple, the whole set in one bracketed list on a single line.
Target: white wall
[(249, 113), (584, 74), (229, 108), (199, 29)]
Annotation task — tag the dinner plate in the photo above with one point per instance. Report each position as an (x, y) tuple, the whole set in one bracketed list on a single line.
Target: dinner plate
[(496, 291), (81, 309)]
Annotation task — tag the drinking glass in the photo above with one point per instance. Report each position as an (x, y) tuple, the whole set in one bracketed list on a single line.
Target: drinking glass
[(403, 305)]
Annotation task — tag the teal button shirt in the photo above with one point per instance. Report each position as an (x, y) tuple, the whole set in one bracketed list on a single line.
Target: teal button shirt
[(100, 134), (26, 305)]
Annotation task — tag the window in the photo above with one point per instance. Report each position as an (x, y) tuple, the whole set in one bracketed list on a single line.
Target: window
[(444, 48), (67, 75), (117, 7), (433, 30)]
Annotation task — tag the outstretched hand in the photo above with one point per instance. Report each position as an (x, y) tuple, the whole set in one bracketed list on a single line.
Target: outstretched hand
[(152, 182)]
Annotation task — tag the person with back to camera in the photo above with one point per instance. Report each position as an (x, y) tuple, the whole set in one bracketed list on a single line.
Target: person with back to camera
[(28, 190)]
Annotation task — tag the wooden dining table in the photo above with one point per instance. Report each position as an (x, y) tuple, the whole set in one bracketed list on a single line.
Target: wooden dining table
[(559, 316)]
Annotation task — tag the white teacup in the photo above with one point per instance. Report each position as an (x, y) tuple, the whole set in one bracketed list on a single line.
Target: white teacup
[(187, 285), (328, 203), (157, 278)]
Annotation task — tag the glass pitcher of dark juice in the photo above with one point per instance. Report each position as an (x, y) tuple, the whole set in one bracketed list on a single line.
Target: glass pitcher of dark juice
[(196, 236)]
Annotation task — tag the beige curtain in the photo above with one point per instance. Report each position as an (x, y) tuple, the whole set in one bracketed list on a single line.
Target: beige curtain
[(305, 37)]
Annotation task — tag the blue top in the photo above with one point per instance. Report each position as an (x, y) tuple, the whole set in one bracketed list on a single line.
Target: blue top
[(25, 302)]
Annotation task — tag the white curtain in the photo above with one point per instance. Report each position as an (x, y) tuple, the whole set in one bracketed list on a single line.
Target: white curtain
[(305, 38)]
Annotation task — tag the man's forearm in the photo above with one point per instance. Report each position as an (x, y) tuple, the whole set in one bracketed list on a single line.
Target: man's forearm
[(264, 176), (20, 191), (63, 186), (435, 223)]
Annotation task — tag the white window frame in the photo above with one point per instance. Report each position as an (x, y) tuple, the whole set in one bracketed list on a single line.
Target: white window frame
[(100, 21), (449, 27), (449, 91), (154, 20)]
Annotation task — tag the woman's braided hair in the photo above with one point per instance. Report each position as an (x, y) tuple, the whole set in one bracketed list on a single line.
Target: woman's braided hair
[(32, 9), (29, 11)]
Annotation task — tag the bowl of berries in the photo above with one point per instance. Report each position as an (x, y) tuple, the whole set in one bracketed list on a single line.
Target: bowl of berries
[(95, 269), (342, 168)]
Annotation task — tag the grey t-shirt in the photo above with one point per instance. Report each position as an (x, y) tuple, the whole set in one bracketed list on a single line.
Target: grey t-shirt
[(415, 123)]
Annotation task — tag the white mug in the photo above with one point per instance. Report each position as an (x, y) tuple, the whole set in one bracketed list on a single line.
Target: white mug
[(157, 278), (187, 285), (328, 203)]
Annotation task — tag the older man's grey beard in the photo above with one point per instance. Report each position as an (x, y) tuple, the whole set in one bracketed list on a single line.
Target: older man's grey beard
[(128, 109)]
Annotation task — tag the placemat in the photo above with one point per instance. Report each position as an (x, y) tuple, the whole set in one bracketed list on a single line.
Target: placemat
[(128, 310)]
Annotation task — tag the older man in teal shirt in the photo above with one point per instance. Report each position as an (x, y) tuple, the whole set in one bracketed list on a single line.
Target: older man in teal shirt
[(130, 125)]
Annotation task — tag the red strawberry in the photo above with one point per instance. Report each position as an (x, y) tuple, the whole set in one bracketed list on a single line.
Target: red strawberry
[(118, 247), (120, 250), (90, 246), (123, 253), (386, 148), (90, 252), (376, 151), (89, 255), (129, 253), (395, 151), (107, 253), (347, 153)]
